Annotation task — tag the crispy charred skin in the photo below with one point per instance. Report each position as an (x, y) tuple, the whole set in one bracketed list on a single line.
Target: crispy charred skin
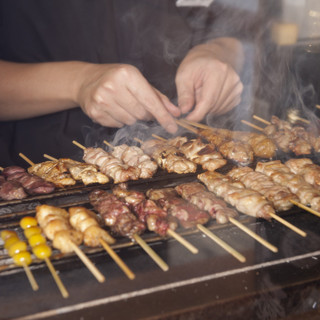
[(188, 214), (32, 184), (197, 194), (168, 157), (247, 201), (116, 214)]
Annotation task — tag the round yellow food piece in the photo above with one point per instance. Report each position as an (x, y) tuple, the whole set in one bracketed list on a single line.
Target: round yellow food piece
[(42, 251), (17, 247), (10, 241), (22, 258), (36, 239), (5, 234), (31, 231), (28, 222)]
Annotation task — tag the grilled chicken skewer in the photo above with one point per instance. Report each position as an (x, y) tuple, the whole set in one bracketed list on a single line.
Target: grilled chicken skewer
[(236, 151), (55, 224), (122, 221), (135, 157), (50, 172), (281, 174), (109, 165), (155, 218), (247, 201), (168, 157), (80, 171), (85, 221), (198, 152), (262, 146), (197, 194), (188, 214)]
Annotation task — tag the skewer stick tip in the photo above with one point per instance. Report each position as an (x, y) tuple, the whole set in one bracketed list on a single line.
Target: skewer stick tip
[(288, 224), (26, 159), (78, 144)]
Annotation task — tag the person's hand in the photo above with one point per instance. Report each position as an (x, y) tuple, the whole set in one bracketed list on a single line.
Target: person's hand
[(117, 94), (207, 84)]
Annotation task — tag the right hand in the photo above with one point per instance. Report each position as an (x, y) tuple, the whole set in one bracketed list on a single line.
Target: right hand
[(115, 95)]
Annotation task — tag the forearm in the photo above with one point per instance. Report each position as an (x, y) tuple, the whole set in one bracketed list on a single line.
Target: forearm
[(29, 90)]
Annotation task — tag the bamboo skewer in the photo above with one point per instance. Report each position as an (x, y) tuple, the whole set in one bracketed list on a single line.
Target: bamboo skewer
[(252, 125), (50, 158), (253, 235), (138, 239), (88, 263), (261, 120), (56, 278), (117, 259), (221, 243), (302, 206), (288, 224), (32, 280), (151, 252), (108, 144), (182, 241), (26, 159)]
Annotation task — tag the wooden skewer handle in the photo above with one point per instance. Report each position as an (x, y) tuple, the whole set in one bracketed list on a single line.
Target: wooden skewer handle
[(117, 259), (183, 241), (32, 280), (88, 263), (288, 224), (57, 279)]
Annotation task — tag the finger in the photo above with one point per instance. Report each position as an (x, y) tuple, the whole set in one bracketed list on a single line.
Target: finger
[(174, 110), (105, 119), (186, 94), (233, 95), (150, 100)]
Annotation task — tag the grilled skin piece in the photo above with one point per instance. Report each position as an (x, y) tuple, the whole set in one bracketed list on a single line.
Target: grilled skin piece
[(84, 172), (281, 174), (135, 157), (199, 152), (50, 171), (111, 166), (233, 150), (306, 168), (55, 224), (197, 194), (85, 221), (32, 184), (188, 214), (278, 195), (155, 218), (289, 138), (11, 190), (168, 157), (116, 214), (247, 201)]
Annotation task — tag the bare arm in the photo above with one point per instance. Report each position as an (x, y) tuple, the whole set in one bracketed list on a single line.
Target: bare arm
[(110, 94)]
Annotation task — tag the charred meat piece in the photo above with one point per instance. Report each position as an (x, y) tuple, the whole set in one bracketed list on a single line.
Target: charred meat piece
[(11, 190), (147, 211), (168, 157), (50, 171), (247, 201), (116, 214), (135, 157), (188, 214), (197, 194), (199, 152), (32, 184), (111, 166)]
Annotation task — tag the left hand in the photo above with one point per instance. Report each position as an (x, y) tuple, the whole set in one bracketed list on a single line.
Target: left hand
[(207, 84)]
